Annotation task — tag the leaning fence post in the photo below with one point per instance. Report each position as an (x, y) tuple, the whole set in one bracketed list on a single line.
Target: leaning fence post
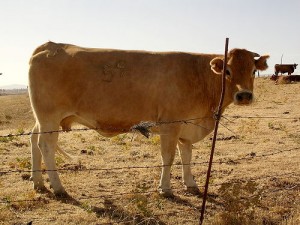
[(217, 117)]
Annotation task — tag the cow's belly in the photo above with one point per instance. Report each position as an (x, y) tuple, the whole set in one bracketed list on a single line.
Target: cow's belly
[(196, 132), (105, 127)]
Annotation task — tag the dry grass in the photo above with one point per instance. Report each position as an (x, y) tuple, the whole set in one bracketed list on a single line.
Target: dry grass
[(255, 179)]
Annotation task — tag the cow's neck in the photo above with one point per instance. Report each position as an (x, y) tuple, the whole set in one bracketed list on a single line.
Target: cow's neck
[(210, 92)]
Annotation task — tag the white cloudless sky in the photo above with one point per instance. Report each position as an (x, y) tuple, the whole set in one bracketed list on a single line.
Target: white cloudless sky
[(262, 26)]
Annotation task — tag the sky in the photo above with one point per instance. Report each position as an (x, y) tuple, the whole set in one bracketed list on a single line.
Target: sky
[(262, 26)]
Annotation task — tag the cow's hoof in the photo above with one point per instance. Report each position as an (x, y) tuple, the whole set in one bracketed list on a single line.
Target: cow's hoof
[(193, 190), (61, 195), (166, 193), (40, 188)]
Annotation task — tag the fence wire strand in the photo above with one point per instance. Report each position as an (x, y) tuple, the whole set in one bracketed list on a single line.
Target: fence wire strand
[(220, 161), (81, 168), (146, 125), (148, 192)]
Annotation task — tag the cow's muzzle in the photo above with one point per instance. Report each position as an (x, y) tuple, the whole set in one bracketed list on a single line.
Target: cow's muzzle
[(243, 98)]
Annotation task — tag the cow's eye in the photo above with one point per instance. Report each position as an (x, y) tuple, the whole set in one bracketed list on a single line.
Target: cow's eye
[(228, 73)]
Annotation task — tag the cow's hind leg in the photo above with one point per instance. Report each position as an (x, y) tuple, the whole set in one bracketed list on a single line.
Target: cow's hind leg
[(168, 147), (47, 143), (185, 149), (36, 161)]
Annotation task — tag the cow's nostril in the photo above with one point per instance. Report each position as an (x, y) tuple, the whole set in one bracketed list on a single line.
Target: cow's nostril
[(239, 97), (249, 96), (244, 96)]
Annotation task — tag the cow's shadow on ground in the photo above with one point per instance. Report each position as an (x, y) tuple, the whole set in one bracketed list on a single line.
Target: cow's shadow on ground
[(118, 214), (211, 198), (111, 211)]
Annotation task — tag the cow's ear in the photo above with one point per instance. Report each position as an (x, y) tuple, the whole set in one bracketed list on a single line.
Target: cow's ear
[(217, 65), (261, 63)]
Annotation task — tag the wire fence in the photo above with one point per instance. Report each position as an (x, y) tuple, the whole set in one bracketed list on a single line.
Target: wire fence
[(145, 129), (81, 168), (117, 194), (145, 126)]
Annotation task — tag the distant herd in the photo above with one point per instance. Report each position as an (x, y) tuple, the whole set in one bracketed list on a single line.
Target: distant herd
[(285, 68)]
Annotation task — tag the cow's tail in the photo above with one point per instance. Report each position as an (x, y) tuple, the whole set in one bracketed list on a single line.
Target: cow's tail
[(63, 153)]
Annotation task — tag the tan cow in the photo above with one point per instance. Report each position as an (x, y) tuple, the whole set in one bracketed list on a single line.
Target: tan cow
[(112, 90)]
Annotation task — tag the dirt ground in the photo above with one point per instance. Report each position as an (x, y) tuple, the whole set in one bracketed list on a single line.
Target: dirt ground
[(255, 177)]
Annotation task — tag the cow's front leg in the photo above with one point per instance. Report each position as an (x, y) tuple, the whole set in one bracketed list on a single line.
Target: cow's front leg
[(185, 149), (168, 147)]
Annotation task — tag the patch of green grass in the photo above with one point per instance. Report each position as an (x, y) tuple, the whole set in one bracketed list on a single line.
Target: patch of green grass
[(21, 163), (7, 139), (20, 131), (276, 126), (119, 139), (155, 140), (295, 137), (87, 207), (59, 160), (92, 148), (140, 201)]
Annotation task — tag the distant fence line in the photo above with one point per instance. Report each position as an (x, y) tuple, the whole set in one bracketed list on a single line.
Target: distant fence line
[(13, 91)]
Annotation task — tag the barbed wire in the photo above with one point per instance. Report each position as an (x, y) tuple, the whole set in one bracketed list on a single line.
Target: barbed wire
[(44, 132), (225, 116), (115, 195), (134, 193), (144, 126), (80, 167)]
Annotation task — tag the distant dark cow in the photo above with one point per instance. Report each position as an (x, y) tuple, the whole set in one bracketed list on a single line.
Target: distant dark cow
[(285, 79), (285, 68), (274, 77)]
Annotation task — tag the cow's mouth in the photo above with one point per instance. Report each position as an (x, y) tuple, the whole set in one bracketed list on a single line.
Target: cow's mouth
[(243, 98)]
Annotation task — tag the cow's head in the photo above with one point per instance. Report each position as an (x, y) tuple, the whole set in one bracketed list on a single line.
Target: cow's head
[(295, 65), (274, 77), (240, 73)]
